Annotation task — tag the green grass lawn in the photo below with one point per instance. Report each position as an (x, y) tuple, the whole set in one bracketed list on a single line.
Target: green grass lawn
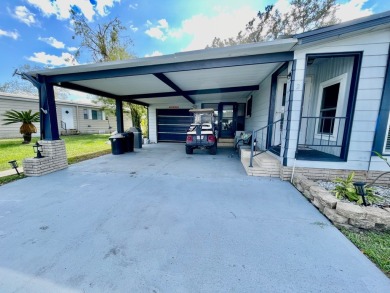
[(375, 245), (78, 147)]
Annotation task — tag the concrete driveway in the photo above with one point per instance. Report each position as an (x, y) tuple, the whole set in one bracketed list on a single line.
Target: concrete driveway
[(158, 220)]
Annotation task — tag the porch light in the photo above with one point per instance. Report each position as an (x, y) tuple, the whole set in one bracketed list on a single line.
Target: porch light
[(14, 165), (361, 190), (37, 150)]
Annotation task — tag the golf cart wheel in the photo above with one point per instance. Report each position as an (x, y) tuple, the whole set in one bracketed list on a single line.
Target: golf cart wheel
[(189, 150), (213, 149)]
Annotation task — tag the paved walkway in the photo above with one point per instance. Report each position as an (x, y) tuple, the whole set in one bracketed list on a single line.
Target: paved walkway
[(10, 172), (158, 220)]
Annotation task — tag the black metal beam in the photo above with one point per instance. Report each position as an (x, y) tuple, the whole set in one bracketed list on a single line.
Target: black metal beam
[(172, 85), (247, 88), (88, 90), (174, 67)]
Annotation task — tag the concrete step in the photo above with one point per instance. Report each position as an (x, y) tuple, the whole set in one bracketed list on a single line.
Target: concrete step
[(226, 142), (263, 165)]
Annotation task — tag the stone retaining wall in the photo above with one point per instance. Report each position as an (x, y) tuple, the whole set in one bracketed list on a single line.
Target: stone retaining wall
[(54, 159), (342, 214)]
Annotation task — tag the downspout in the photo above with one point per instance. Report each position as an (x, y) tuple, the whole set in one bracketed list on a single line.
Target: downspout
[(288, 124)]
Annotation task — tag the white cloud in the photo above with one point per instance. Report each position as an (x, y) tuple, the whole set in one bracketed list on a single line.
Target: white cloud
[(148, 23), (156, 33), (66, 59), (155, 53), (53, 42), (72, 49), (24, 15), (102, 6), (13, 35), (133, 28), (133, 6), (160, 31), (202, 29), (353, 9), (61, 8), (163, 23)]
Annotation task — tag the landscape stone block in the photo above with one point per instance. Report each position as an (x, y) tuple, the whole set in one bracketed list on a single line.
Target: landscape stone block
[(351, 211), (332, 215)]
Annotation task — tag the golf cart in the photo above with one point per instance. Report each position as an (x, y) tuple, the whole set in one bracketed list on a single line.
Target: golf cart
[(202, 133)]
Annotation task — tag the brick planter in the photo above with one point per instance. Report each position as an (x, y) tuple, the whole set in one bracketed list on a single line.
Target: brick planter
[(54, 159), (342, 214)]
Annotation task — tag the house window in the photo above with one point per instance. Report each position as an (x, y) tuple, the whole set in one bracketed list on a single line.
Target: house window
[(85, 114), (386, 148), (330, 108), (330, 96), (97, 115)]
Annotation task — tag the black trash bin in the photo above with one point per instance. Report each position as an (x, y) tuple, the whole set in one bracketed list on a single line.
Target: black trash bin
[(128, 142), (117, 144), (137, 136)]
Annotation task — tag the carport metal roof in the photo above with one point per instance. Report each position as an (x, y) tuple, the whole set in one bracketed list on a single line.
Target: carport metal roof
[(234, 71)]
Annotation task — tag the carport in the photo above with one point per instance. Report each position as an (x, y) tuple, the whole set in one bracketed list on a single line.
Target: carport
[(173, 82)]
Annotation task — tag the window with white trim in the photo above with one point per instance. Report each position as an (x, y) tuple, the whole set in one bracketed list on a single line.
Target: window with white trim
[(330, 107), (386, 147)]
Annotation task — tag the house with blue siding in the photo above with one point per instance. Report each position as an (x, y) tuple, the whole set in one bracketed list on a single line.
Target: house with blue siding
[(315, 103)]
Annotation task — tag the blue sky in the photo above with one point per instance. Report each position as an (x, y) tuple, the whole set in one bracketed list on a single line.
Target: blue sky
[(39, 32)]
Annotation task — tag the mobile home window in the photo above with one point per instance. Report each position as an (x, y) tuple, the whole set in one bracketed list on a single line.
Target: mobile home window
[(386, 148), (85, 114), (330, 108), (97, 115)]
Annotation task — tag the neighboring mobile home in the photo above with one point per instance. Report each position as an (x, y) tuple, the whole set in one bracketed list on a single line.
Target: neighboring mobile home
[(73, 117), (317, 102)]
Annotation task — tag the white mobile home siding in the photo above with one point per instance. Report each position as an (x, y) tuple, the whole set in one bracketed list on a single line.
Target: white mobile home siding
[(375, 47), (24, 103)]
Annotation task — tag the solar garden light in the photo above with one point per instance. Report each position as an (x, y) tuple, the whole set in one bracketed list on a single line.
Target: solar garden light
[(361, 190), (37, 150), (14, 165)]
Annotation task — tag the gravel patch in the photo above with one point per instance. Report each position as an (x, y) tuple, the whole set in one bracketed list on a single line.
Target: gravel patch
[(382, 192)]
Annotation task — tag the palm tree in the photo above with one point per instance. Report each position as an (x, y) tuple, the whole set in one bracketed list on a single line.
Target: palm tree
[(24, 117)]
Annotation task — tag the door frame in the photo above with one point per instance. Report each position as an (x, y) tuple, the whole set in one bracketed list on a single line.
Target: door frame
[(220, 108)]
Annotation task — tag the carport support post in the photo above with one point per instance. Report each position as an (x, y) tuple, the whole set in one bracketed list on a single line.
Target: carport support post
[(119, 116), (48, 112)]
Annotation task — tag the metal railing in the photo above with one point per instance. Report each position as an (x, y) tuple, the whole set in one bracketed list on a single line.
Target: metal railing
[(265, 138), (322, 131), (63, 125)]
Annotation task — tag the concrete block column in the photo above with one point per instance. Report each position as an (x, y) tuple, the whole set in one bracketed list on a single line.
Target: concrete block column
[(54, 159)]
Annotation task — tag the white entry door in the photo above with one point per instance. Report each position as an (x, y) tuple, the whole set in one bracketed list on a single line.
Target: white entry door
[(67, 117), (280, 101)]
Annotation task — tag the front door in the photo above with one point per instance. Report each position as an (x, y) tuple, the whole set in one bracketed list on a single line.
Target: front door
[(67, 117), (227, 124), (280, 101)]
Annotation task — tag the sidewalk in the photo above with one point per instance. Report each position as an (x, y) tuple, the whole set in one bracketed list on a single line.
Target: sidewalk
[(10, 172)]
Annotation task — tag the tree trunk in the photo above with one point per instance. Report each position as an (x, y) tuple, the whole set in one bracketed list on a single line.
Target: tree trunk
[(26, 138)]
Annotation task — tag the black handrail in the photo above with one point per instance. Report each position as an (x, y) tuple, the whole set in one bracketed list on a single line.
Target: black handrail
[(63, 125), (262, 144)]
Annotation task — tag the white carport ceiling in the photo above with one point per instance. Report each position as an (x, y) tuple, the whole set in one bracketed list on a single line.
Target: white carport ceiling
[(198, 76)]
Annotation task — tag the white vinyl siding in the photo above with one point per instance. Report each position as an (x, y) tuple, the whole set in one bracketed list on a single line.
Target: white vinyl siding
[(375, 47)]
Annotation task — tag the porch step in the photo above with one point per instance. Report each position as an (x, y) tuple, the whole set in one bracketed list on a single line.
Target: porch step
[(264, 165), (226, 142), (69, 132)]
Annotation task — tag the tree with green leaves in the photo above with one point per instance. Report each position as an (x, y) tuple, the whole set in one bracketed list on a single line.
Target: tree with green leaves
[(106, 42), (270, 24), (26, 118)]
